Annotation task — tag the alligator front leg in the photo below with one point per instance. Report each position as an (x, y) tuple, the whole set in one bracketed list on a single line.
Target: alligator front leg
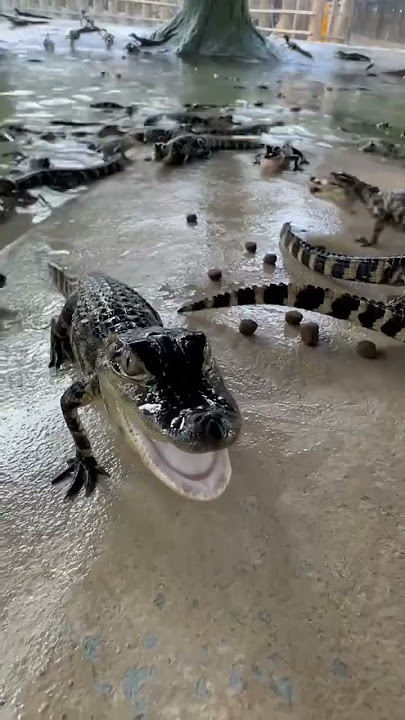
[(61, 349), (378, 228), (84, 467)]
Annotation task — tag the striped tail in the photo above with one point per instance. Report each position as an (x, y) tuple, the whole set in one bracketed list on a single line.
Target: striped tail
[(66, 284), (367, 313), (379, 270)]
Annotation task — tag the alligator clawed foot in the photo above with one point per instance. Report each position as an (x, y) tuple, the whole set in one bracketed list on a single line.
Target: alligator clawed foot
[(85, 470), (364, 242)]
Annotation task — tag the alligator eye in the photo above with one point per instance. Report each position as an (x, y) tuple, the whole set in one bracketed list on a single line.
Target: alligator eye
[(132, 366)]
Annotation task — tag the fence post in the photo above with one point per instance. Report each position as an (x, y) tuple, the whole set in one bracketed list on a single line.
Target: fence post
[(315, 25), (345, 20)]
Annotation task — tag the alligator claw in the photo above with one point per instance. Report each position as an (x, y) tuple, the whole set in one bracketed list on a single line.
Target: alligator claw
[(85, 470), (363, 242)]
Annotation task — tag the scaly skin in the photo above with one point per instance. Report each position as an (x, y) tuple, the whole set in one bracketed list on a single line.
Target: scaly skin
[(161, 387), (388, 318), (188, 147), (66, 178), (377, 270), (387, 207)]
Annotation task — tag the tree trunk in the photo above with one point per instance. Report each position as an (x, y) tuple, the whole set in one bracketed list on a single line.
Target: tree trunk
[(215, 28)]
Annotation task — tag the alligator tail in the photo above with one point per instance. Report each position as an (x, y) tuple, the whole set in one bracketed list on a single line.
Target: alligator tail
[(66, 284), (388, 270), (367, 313), (247, 142)]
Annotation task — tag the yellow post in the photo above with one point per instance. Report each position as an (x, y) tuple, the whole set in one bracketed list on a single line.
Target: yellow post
[(325, 21)]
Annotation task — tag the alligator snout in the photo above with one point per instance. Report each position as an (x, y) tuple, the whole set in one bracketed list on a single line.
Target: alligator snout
[(212, 426)]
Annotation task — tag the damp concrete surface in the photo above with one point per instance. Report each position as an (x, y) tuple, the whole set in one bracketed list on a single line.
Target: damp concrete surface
[(284, 597)]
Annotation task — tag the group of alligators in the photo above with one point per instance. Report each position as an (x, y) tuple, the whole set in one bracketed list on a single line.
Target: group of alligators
[(161, 386), (196, 133)]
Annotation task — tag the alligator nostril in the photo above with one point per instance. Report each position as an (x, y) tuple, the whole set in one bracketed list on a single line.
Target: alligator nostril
[(215, 427)]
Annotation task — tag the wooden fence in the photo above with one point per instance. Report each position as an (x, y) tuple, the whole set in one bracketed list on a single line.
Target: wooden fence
[(303, 19), (382, 20)]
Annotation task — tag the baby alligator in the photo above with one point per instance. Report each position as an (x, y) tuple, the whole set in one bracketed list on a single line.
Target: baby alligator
[(65, 178), (385, 317), (161, 387), (379, 270), (387, 207), (280, 158), (185, 148)]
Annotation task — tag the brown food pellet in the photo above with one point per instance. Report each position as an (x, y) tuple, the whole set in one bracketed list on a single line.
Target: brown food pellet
[(247, 327), (215, 274), (309, 333), (293, 317), (270, 259), (191, 218), (366, 349), (250, 246)]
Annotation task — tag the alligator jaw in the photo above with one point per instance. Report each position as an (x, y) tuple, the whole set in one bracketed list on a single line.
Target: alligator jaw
[(197, 476)]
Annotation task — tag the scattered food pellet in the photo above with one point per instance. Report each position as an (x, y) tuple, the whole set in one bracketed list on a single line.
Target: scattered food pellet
[(263, 86), (293, 317), (295, 109), (118, 76), (309, 333), (270, 259), (103, 73), (258, 103), (215, 274), (191, 218), (247, 327), (366, 349), (250, 246)]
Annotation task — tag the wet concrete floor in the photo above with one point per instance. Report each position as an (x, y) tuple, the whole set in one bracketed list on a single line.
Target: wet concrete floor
[(285, 597)]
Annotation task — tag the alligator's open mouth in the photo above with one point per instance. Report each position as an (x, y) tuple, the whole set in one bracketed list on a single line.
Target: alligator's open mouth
[(198, 476), (326, 188)]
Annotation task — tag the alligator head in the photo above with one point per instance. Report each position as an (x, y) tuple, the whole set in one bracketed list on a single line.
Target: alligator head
[(160, 151), (341, 185), (173, 406)]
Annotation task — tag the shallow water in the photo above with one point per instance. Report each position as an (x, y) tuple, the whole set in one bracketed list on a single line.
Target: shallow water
[(285, 595), (331, 94)]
